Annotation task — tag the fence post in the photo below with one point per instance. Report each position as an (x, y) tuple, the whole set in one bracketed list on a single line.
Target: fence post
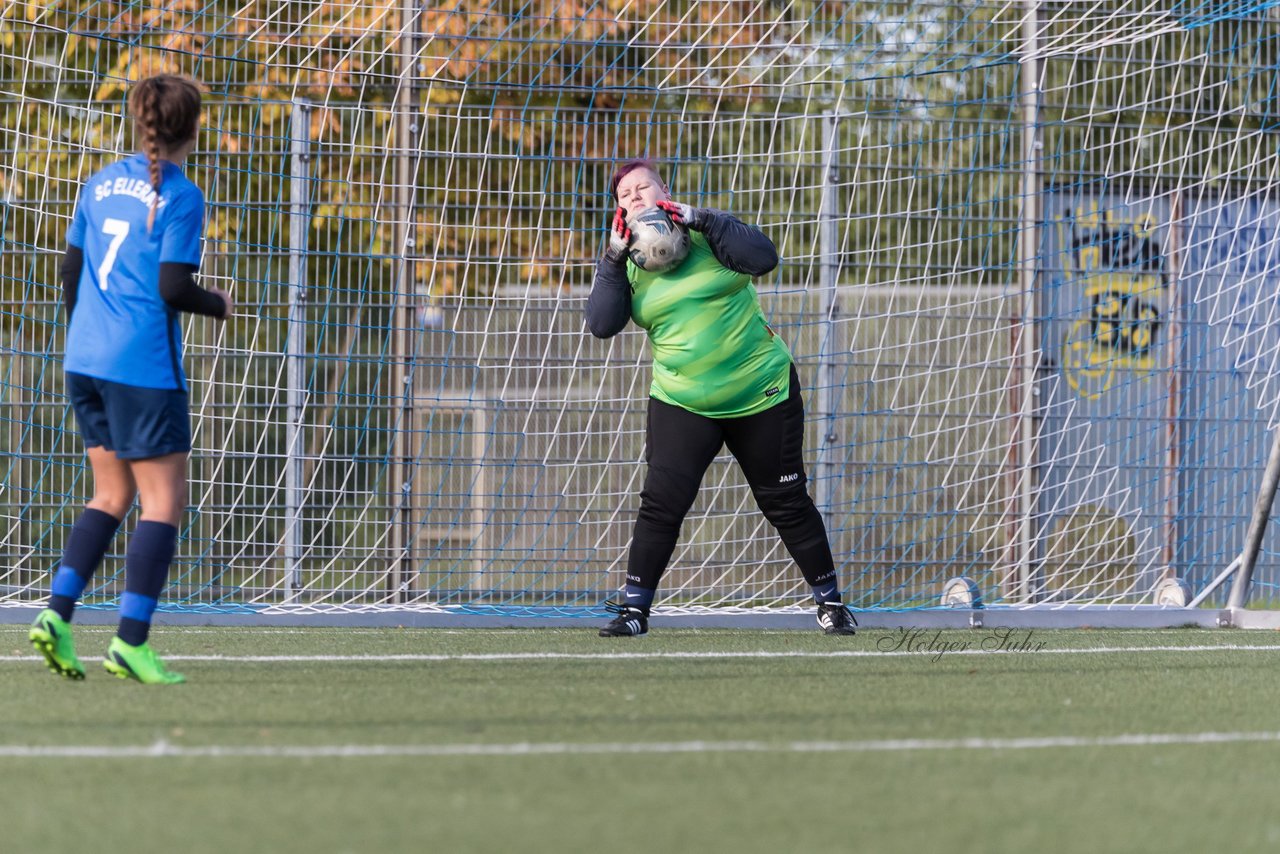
[(400, 480), (828, 249), (296, 338), (1025, 340)]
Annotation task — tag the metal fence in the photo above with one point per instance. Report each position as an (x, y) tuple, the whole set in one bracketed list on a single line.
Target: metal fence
[(407, 409)]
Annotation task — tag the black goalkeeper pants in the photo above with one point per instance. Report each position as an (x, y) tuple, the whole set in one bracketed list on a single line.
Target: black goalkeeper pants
[(769, 446)]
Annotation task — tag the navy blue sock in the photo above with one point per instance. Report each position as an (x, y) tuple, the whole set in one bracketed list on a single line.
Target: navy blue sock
[(86, 544), (638, 597), (146, 569), (827, 591), (135, 618)]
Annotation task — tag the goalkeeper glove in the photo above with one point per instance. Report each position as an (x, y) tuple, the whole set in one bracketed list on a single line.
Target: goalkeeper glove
[(619, 238), (684, 215)]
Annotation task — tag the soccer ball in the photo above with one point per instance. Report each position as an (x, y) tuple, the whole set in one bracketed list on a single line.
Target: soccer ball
[(657, 243)]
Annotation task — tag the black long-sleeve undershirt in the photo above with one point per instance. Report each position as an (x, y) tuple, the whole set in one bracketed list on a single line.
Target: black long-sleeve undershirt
[(180, 292), (178, 286), (72, 264), (736, 245), (609, 303)]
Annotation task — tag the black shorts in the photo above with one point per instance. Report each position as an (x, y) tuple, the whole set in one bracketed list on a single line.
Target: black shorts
[(769, 445), (137, 423)]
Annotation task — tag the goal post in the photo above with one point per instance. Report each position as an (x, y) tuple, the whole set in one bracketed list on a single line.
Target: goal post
[(1028, 259)]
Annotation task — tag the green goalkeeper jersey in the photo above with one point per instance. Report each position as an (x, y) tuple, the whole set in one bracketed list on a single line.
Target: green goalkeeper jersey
[(713, 352)]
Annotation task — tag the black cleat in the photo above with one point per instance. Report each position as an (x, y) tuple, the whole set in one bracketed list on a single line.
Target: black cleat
[(835, 619), (629, 622)]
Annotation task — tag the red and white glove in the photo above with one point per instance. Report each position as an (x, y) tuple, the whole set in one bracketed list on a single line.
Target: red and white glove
[(619, 237), (682, 214)]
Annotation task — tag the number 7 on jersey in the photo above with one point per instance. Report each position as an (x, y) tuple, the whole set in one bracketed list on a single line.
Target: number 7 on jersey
[(119, 230)]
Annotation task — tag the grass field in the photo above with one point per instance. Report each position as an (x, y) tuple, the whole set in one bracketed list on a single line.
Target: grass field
[(386, 740)]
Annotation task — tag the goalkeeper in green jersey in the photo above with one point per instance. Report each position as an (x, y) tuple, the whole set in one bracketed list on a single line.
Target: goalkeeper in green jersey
[(721, 376)]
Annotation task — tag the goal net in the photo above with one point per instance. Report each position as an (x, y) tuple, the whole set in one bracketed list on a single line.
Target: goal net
[(1029, 275)]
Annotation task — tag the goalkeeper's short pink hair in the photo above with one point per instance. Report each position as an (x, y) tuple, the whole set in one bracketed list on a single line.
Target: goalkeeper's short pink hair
[(626, 169)]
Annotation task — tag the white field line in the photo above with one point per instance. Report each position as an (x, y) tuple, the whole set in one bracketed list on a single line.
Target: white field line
[(390, 631), (533, 631), (675, 654), (163, 750)]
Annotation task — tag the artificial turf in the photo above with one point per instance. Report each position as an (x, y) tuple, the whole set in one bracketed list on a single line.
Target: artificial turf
[(556, 740)]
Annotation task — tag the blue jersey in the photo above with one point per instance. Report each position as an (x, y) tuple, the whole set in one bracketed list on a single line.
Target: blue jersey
[(121, 328)]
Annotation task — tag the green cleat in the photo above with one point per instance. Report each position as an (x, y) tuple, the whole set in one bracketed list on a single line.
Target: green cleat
[(140, 663), (51, 636)]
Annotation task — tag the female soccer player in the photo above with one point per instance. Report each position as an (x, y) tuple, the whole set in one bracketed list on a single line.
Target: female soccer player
[(720, 376), (132, 249)]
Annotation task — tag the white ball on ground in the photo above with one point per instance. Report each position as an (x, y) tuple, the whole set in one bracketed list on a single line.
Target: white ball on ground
[(657, 243)]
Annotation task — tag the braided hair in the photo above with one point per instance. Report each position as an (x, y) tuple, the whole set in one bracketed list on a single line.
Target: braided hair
[(166, 114)]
